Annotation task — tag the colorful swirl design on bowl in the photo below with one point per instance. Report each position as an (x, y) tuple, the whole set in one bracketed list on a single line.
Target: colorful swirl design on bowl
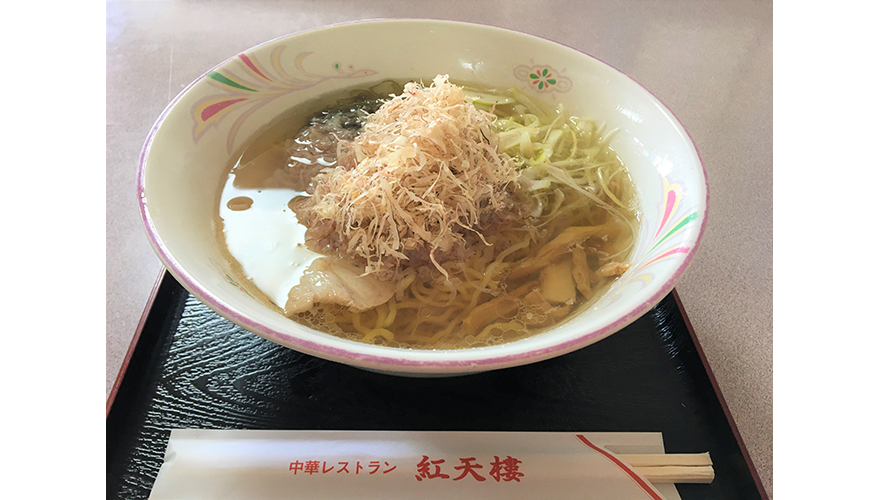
[(666, 242), (247, 85), (670, 225)]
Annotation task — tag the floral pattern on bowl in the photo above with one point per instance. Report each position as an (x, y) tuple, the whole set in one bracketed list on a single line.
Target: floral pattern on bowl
[(542, 78)]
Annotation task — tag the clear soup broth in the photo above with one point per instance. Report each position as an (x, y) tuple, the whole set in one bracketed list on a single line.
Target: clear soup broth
[(569, 230)]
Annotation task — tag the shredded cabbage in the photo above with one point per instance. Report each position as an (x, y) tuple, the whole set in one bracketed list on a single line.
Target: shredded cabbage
[(434, 162), (553, 149)]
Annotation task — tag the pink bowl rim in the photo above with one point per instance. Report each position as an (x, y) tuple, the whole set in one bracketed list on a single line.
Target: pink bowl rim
[(391, 362)]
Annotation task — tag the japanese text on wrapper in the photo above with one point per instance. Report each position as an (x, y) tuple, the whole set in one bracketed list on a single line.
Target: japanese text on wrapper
[(469, 468)]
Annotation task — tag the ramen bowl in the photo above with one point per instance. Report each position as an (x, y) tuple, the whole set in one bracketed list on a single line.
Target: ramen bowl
[(187, 154)]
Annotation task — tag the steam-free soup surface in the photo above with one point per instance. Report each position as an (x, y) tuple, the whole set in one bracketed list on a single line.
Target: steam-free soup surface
[(543, 241)]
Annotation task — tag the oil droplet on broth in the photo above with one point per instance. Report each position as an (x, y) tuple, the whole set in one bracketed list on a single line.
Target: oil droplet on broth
[(264, 236), (239, 203)]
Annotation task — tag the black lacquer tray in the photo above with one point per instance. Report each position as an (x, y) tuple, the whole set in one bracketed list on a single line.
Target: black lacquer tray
[(191, 368)]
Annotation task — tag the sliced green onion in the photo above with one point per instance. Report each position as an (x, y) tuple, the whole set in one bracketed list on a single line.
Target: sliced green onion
[(608, 191)]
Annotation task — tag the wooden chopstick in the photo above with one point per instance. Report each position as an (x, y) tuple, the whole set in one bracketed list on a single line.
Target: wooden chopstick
[(677, 474), (672, 467), (665, 459)]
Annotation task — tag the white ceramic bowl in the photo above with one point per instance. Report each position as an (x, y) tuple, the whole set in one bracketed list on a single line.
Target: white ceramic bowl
[(183, 164)]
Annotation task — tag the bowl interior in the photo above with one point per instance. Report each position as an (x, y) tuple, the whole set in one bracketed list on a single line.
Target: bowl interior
[(189, 150)]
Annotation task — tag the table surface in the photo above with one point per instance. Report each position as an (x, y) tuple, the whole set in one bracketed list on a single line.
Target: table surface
[(192, 368), (709, 61)]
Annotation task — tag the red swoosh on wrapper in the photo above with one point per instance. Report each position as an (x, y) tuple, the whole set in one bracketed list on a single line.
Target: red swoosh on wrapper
[(624, 467)]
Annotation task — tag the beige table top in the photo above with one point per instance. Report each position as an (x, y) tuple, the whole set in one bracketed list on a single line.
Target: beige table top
[(709, 61)]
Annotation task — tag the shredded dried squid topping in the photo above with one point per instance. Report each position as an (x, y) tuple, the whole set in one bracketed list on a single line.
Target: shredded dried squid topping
[(424, 172)]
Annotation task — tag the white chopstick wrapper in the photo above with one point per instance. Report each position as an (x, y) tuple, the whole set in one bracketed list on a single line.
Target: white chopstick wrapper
[(268, 465)]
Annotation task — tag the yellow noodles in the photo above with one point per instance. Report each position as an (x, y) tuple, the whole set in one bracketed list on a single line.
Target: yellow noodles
[(496, 285)]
